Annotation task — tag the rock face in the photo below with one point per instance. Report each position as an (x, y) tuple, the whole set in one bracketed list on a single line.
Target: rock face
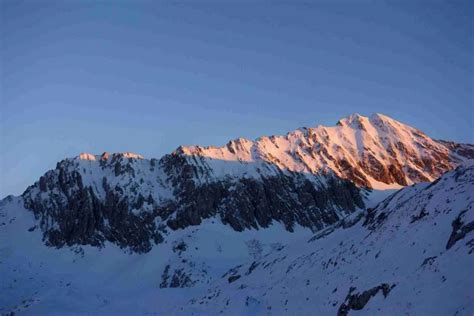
[(132, 201), (253, 202), (311, 177), (72, 212)]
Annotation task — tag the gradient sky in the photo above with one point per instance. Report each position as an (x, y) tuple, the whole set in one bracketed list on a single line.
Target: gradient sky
[(94, 76)]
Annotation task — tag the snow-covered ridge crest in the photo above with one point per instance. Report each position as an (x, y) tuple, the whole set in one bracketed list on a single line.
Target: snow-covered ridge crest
[(86, 156), (106, 155), (239, 149), (376, 151)]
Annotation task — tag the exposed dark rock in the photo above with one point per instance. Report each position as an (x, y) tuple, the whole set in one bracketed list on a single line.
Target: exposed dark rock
[(460, 230), (72, 214), (252, 267), (253, 203), (180, 247), (117, 168), (165, 276), (470, 244), (233, 278), (180, 279), (357, 301), (428, 261)]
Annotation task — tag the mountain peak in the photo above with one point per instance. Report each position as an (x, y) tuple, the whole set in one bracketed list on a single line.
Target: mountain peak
[(354, 120)]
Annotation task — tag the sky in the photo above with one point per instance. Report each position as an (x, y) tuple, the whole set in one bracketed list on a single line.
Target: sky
[(146, 77)]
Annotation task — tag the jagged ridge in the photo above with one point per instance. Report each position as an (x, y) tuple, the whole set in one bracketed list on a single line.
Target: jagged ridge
[(306, 178), (373, 152)]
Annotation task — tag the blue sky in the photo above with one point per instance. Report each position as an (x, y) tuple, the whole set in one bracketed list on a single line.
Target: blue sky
[(94, 76)]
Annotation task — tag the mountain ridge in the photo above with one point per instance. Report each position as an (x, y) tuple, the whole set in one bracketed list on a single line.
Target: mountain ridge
[(357, 148), (312, 177)]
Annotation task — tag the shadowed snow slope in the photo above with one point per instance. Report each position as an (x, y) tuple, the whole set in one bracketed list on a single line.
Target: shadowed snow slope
[(84, 280), (412, 254)]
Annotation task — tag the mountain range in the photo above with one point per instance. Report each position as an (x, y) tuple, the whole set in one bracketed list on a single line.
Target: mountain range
[(370, 214)]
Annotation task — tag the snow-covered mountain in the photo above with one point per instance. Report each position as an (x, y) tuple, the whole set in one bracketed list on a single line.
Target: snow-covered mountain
[(411, 254), (375, 152), (311, 177), (230, 229)]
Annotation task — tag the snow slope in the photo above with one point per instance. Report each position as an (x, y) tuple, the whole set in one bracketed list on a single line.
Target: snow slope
[(410, 247), (41, 280), (411, 255)]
